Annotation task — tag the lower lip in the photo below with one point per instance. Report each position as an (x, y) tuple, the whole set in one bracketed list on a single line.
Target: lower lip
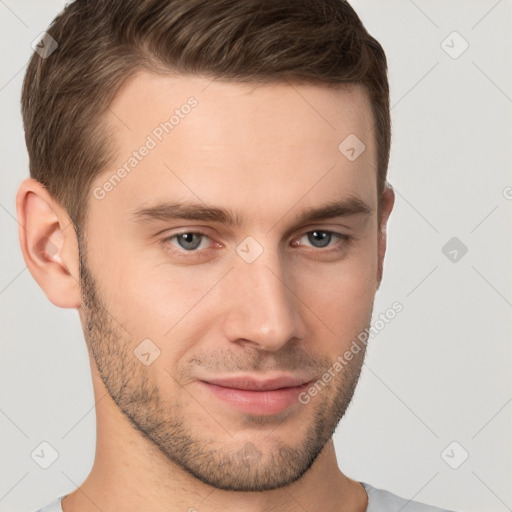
[(257, 402)]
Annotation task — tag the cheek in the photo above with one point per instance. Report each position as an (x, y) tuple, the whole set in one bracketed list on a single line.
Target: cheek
[(156, 300), (159, 301), (342, 294), (153, 300)]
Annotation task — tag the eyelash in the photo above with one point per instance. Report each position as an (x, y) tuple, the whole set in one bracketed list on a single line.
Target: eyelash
[(184, 253)]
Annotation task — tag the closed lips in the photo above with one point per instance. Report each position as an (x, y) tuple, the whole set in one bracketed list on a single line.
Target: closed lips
[(250, 384)]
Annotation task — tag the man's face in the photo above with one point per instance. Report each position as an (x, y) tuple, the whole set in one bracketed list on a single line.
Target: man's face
[(194, 323)]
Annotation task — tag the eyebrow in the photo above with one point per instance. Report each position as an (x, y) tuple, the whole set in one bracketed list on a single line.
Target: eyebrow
[(168, 211)]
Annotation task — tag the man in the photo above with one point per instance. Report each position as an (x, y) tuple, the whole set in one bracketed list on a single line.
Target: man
[(208, 189)]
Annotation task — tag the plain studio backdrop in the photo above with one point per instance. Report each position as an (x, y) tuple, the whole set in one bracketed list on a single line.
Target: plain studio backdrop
[(432, 416)]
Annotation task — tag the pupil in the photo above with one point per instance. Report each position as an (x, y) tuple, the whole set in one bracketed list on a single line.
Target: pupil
[(187, 239), (323, 238)]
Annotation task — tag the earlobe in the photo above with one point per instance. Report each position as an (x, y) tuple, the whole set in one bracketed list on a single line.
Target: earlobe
[(48, 243), (387, 203)]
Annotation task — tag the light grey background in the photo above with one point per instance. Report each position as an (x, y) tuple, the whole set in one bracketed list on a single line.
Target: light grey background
[(438, 373)]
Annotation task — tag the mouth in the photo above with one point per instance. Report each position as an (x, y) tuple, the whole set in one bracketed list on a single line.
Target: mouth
[(257, 395)]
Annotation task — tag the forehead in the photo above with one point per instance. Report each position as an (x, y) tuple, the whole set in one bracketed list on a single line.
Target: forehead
[(271, 106), (190, 137)]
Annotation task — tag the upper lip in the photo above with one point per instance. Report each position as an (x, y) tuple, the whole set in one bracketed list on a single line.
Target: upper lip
[(259, 384)]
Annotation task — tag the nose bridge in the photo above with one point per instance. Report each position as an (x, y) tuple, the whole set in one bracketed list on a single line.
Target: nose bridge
[(262, 305)]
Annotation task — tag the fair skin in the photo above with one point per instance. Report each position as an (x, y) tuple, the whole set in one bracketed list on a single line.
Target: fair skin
[(267, 153)]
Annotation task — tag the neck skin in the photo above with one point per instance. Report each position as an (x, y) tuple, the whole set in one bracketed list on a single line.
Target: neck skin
[(130, 474)]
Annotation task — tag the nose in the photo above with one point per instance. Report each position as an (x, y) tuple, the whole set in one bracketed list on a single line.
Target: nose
[(262, 307)]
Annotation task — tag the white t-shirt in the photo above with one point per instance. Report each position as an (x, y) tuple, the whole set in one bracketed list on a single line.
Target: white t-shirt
[(379, 500)]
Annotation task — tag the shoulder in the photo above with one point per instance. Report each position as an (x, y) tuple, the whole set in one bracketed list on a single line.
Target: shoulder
[(53, 506), (380, 500)]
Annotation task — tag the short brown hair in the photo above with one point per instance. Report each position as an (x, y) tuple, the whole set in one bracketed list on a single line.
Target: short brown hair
[(103, 42)]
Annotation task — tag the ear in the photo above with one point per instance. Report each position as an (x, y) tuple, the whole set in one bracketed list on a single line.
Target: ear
[(49, 244), (386, 206)]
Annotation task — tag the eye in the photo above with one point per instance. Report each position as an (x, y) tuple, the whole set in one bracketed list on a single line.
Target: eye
[(320, 238), (189, 241), (196, 242)]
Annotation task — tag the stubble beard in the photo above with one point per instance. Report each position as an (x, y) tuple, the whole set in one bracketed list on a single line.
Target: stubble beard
[(222, 465)]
